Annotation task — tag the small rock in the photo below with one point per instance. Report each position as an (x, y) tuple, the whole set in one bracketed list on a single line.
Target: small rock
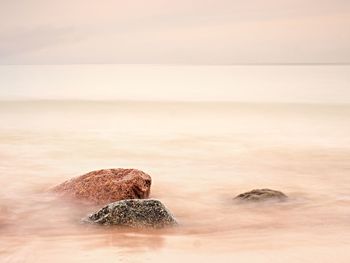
[(258, 195), (134, 213), (107, 185)]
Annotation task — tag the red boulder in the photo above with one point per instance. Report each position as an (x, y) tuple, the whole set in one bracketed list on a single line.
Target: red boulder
[(107, 185)]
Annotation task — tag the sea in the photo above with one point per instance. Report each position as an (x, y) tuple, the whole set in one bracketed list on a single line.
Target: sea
[(211, 134)]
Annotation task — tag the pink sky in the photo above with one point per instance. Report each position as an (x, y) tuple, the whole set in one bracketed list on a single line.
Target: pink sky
[(185, 32)]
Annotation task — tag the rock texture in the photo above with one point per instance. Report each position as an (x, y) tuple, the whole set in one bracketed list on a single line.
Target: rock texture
[(258, 195), (134, 213), (107, 185)]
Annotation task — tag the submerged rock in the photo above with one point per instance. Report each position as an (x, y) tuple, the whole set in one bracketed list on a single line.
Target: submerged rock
[(134, 213), (107, 185), (258, 195)]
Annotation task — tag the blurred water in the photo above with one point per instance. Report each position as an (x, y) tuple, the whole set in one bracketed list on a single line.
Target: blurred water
[(200, 155)]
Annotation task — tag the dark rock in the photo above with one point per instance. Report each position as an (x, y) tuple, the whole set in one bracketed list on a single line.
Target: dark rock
[(258, 195), (134, 213), (107, 185)]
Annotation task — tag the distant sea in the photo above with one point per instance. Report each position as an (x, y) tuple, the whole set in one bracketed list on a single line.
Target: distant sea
[(249, 83)]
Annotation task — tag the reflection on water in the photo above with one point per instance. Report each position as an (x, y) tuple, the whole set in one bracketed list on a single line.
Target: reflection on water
[(200, 155)]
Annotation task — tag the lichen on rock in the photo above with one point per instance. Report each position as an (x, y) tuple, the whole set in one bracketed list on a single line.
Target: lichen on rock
[(134, 213)]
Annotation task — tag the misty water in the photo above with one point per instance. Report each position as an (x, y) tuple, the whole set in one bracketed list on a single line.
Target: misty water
[(200, 155)]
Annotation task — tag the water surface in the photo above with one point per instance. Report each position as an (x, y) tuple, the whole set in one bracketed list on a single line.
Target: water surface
[(200, 155)]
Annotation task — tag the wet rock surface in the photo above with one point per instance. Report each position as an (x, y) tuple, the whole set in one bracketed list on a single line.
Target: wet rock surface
[(134, 213), (107, 185), (259, 195)]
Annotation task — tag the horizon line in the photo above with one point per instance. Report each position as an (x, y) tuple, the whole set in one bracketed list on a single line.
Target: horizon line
[(167, 101), (189, 64)]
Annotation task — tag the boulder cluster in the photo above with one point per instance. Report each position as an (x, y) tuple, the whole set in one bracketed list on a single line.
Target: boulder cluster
[(124, 194)]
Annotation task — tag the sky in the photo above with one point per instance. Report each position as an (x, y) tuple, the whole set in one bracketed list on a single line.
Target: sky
[(203, 32)]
